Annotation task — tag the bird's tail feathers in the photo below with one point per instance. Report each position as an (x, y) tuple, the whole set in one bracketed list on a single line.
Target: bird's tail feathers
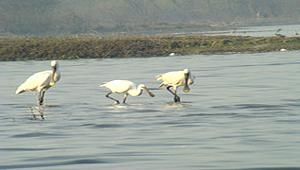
[(102, 84), (161, 85), (20, 90), (158, 77)]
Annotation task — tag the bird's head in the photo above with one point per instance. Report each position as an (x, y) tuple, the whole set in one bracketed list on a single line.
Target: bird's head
[(185, 71), (54, 64)]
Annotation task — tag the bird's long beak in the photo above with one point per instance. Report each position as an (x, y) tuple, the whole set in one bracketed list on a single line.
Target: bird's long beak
[(186, 87), (147, 90), (52, 82)]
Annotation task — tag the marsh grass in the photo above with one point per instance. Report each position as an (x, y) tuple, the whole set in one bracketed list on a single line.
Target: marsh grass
[(46, 48)]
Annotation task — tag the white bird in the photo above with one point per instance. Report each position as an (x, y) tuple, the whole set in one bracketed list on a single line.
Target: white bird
[(172, 54), (283, 50), (41, 81), (125, 87), (176, 79)]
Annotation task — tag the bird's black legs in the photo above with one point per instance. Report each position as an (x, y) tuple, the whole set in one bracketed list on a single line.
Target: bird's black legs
[(41, 101), (40, 104), (176, 97), (39, 109), (41, 97), (42, 116), (125, 97), (107, 95)]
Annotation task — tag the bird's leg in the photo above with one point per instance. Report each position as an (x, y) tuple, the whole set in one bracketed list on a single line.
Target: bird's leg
[(39, 98), (42, 116), (107, 95), (32, 112), (125, 97), (39, 109), (176, 97), (42, 98), (168, 88), (41, 112)]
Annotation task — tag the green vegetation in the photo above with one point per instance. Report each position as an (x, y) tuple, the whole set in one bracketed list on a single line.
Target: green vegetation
[(46, 48)]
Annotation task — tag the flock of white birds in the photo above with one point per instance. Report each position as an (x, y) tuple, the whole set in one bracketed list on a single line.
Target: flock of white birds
[(40, 82)]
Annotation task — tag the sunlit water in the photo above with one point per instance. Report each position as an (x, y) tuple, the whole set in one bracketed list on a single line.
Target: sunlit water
[(243, 112)]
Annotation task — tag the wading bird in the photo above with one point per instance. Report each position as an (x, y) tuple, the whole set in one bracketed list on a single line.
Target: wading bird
[(176, 79), (124, 87), (41, 81)]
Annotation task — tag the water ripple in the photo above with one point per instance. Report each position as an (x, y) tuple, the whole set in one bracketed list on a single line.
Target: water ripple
[(53, 164), (261, 106), (37, 134), (27, 149), (102, 125)]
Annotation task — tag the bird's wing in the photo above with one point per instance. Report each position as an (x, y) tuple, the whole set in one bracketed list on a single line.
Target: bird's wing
[(35, 82), (118, 86), (121, 86), (172, 78)]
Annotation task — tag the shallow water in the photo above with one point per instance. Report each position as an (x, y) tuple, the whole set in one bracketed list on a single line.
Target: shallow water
[(243, 112)]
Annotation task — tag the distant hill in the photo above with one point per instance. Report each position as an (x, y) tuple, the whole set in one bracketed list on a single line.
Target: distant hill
[(56, 17)]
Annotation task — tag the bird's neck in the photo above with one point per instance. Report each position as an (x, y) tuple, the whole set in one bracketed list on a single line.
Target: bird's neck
[(135, 92), (54, 76)]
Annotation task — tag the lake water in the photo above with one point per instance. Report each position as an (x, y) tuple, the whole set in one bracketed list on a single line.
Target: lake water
[(243, 112), (257, 31)]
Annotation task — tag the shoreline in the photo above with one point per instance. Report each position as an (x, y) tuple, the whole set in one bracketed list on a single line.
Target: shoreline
[(64, 48)]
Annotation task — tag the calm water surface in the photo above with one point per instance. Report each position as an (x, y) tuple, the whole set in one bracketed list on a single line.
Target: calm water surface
[(261, 31), (243, 112)]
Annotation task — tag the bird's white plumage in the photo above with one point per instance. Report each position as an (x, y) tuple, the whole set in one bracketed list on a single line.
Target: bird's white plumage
[(174, 78), (119, 86), (41, 81), (36, 82), (125, 87)]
